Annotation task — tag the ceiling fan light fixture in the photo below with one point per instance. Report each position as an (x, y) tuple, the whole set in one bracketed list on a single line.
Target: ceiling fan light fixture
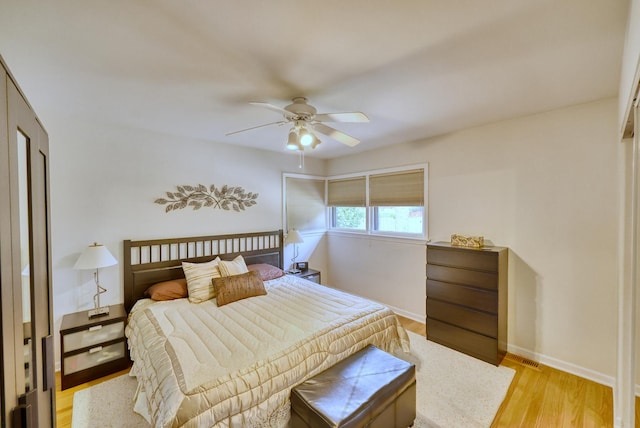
[(316, 142), (292, 143), (306, 138), (306, 122)]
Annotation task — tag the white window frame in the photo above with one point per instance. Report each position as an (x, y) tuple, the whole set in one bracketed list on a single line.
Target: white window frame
[(370, 210)]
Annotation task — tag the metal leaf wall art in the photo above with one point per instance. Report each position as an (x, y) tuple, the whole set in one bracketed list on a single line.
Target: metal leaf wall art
[(226, 198)]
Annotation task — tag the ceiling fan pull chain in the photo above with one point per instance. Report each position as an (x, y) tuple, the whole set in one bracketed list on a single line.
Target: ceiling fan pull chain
[(301, 162)]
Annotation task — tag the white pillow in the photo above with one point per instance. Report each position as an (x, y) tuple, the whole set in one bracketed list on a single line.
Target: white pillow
[(236, 266), (199, 276)]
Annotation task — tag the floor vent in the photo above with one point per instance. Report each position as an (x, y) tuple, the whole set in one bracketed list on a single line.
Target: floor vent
[(524, 361)]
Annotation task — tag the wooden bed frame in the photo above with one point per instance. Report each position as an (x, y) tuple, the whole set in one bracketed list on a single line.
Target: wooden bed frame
[(151, 261)]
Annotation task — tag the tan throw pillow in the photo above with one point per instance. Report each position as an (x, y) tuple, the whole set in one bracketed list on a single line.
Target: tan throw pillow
[(237, 287), (233, 267), (199, 276), (168, 290)]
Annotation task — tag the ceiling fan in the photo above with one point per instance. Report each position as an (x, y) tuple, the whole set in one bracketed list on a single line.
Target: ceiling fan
[(305, 120)]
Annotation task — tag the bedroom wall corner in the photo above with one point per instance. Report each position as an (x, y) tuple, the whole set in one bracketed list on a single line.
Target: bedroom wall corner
[(104, 181), (543, 185)]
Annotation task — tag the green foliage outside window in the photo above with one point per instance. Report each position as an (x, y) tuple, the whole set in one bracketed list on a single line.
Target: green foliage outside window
[(350, 218)]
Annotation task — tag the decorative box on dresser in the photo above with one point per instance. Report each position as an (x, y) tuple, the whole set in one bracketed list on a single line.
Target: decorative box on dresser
[(92, 347), (467, 299)]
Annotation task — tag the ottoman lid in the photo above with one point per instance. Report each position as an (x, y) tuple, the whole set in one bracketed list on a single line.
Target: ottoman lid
[(354, 388)]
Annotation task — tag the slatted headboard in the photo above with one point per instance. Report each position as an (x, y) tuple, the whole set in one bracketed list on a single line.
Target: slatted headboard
[(151, 261)]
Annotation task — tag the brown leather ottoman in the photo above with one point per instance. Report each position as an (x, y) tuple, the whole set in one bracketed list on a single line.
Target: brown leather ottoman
[(370, 388)]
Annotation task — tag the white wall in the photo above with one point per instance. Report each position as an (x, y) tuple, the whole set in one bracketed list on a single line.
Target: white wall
[(104, 181), (543, 185)]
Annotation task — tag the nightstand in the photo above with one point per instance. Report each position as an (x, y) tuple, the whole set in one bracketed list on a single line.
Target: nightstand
[(92, 347), (310, 274)]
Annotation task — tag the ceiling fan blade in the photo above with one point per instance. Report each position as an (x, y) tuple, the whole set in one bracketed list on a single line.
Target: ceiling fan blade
[(272, 108), (354, 116), (336, 135), (280, 122)]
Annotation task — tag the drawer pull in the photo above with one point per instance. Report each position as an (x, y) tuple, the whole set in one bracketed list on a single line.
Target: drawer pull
[(95, 328), (96, 349)]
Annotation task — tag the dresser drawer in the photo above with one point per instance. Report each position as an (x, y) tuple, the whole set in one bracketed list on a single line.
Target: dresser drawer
[(93, 335), (94, 357), (483, 300), (464, 258), (487, 280), (479, 322), (468, 342)]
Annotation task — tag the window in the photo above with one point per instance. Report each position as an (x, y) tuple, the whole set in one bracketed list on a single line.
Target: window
[(350, 218), (398, 219), (347, 197), (380, 202)]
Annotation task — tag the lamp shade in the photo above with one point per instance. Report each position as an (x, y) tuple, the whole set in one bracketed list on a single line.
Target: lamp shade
[(294, 237), (95, 256)]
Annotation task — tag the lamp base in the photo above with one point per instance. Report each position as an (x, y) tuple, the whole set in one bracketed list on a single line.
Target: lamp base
[(294, 271), (98, 312)]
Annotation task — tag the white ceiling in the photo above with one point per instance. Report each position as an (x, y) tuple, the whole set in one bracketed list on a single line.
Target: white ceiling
[(417, 68)]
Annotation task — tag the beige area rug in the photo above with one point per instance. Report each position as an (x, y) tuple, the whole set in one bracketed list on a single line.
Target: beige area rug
[(453, 390)]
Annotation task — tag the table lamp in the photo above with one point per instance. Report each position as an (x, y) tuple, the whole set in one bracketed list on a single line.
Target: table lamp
[(95, 257), (293, 237)]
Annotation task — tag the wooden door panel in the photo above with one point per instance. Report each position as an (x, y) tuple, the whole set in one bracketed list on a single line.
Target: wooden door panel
[(26, 269)]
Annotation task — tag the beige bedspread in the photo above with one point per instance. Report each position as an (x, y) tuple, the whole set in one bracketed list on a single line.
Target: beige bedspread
[(231, 366)]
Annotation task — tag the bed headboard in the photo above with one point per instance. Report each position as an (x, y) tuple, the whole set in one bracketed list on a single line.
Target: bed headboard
[(151, 261)]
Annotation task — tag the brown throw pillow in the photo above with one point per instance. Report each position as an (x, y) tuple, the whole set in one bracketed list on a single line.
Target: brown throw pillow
[(168, 290), (237, 287), (267, 271)]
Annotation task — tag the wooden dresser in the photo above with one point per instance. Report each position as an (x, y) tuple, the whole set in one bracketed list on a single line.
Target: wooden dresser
[(467, 299)]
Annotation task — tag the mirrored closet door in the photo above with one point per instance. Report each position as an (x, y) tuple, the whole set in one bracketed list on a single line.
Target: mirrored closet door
[(28, 384)]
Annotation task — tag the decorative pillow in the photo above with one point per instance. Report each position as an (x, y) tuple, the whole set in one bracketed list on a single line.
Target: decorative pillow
[(199, 276), (168, 290), (237, 287), (267, 271), (233, 267)]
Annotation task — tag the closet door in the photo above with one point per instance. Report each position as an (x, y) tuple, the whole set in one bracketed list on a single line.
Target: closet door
[(28, 384)]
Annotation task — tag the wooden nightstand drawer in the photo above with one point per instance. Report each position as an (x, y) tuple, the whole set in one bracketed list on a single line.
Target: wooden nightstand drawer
[(94, 357), (92, 347), (93, 335), (308, 274), (313, 278)]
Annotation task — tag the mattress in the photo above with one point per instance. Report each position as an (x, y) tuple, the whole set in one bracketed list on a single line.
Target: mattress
[(200, 365)]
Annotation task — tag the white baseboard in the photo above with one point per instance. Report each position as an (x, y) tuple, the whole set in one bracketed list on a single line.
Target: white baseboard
[(617, 423), (574, 369), (416, 317), (564, 366)]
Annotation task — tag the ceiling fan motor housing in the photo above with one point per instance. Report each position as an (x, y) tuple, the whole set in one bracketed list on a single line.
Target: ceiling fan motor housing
[(300, 109)]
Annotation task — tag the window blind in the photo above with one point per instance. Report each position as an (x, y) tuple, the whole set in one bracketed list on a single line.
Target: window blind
[(397, 189), (347, 192), (305, 204)]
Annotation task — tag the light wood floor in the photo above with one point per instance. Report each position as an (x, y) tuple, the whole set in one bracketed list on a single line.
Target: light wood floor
[(539, 397)]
